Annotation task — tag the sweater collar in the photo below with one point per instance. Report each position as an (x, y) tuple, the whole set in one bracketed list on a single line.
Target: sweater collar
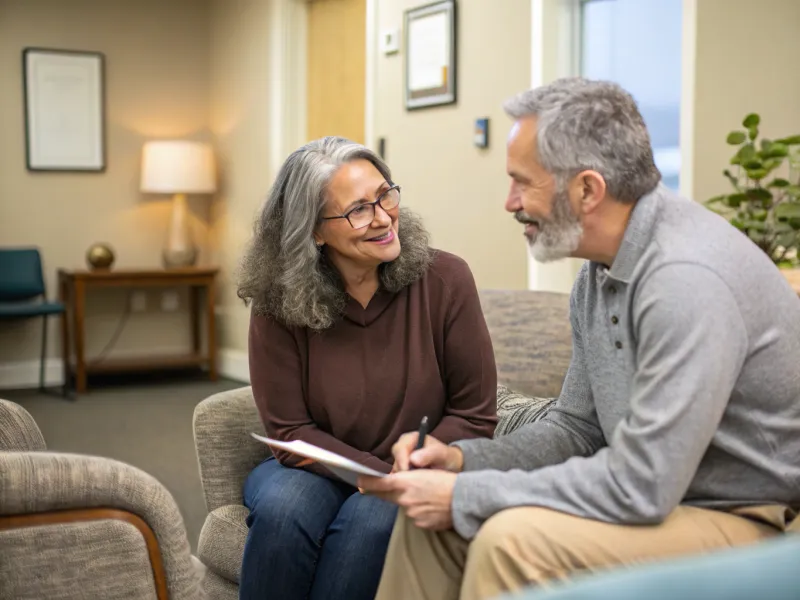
[(638, 234)]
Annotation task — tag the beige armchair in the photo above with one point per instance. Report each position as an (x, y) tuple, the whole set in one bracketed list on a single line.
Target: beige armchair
[(74, 526)]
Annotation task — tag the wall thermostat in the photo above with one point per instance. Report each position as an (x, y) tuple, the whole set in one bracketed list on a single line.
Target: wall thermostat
[(481, 136)]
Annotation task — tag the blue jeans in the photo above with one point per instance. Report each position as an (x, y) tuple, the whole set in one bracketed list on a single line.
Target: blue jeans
[(311, 537)]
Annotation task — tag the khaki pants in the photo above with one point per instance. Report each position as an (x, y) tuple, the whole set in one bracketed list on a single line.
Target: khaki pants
[(522, 546)]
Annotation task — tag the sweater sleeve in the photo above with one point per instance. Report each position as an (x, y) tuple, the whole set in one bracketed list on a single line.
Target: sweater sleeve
[(469, 368), (570, 427), (276, 376), (691, 345)]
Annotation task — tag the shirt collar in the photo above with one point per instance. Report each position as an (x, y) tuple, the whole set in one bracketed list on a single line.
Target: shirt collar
[(637, 234)]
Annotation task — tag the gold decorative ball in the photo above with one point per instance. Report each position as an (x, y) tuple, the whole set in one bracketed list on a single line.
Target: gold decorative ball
[(99, 256)]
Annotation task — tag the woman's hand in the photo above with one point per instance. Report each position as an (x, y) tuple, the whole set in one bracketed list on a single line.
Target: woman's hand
[(434, 455)]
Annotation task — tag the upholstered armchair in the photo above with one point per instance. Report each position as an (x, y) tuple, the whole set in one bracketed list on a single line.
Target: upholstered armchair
[(74, 526)]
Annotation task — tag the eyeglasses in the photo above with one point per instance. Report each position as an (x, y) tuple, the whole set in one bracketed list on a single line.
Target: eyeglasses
[(362, 215)]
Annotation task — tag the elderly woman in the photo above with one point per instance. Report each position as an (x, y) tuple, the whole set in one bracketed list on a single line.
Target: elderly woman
[(358, 330)]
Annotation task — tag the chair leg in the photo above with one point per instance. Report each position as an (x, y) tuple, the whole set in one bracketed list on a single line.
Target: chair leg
[(44, 354)]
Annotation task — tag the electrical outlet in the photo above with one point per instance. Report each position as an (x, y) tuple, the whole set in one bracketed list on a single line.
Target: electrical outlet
[(138, 301), (170, 302)]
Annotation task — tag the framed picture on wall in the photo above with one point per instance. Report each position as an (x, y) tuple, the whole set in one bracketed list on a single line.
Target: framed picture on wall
[(64, 110), (430, 43)]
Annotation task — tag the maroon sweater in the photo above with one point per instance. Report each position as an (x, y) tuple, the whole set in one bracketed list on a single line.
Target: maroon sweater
[(355, 388)]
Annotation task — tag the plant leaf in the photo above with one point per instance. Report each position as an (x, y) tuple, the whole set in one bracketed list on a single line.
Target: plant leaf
[(793, 191), (789, 141), (736, 137), (751, 120), (735, 200), (732, 178), (755, 225), (757, 174), (787, 210), (778, 183), (753, 164), (752, 132), (715, 200), (772, 163), (776, 150), (758, 194)]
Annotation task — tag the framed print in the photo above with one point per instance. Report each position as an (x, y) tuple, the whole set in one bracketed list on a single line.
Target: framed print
[(64, 110), (430, 41)]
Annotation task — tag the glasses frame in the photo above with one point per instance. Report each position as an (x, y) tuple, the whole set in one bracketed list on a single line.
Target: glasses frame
[(377, 201)]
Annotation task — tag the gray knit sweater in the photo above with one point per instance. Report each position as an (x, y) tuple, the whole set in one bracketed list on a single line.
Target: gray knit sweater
[(684, 385)]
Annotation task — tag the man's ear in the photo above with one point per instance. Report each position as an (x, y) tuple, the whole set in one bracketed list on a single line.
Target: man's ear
[(592, 190)]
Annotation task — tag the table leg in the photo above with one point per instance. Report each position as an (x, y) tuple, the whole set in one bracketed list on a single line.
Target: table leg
[(194, 316), (212, 331), (78, 329), (63, 297)]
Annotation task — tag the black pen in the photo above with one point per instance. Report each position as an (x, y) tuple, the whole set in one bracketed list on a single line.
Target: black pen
[(423, 431)]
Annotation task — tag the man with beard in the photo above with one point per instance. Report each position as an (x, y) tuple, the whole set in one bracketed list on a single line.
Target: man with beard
[(677, 430)]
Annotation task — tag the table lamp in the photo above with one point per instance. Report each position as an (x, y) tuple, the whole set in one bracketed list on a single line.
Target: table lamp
[(179, 168)]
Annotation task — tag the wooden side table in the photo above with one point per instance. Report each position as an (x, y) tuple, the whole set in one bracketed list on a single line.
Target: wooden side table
[(73, 287)]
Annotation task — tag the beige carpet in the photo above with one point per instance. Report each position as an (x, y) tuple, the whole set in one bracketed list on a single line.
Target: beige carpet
[(146, 422)]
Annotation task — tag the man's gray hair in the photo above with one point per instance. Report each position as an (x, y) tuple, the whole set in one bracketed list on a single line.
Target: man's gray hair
[(590, 125), (283, 273)]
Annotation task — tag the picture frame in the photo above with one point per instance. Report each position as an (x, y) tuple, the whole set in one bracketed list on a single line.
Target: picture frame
[(64, 103), (430, 55)]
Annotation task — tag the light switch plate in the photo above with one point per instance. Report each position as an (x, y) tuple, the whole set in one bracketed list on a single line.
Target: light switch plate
[(390, 41)]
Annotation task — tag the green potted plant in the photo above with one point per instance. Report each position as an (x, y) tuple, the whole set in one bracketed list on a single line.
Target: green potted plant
[(765, 202)]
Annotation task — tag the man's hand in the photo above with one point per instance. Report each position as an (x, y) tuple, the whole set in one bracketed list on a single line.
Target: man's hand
[(435, 454), (426, 495)]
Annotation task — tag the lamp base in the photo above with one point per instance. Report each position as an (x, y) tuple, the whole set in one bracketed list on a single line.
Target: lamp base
[(179, 250), (175, 259)]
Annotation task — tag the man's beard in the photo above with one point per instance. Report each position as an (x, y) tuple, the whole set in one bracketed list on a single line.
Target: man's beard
[(559, 236)]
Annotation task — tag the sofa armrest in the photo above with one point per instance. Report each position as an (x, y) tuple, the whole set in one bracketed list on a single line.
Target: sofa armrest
[(226, 452), (94, 502), (18, 430)]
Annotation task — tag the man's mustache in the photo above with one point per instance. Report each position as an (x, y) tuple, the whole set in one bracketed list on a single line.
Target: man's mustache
[(523, 218)]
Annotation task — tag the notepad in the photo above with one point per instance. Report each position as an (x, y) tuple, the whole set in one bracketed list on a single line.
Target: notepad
[(345, 468)]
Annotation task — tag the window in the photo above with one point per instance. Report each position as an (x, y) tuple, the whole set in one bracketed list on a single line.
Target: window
[(637, 44)]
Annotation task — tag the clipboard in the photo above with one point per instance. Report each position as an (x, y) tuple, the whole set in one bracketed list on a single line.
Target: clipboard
[(346, 469)]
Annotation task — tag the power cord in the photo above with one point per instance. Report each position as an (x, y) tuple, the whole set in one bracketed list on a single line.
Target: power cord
[(123, 320)]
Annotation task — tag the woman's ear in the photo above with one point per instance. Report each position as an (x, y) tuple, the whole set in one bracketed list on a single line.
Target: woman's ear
[(318, 239)]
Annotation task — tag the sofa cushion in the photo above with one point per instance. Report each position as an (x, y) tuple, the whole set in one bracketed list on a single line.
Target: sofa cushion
[(515, 410), (221, 544), (531, 337)]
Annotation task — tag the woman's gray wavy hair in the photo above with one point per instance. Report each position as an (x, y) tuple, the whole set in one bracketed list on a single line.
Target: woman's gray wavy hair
[(283, 273), (584, 124)]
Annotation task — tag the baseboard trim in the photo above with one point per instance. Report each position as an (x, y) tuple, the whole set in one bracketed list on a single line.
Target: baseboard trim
[(234, 364), (24, 374)]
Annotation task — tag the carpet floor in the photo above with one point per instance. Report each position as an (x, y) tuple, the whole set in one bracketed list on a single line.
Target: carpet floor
[(145, 422)]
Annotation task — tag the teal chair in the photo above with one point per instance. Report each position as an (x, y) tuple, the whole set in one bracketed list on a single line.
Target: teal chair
[(23, 296)]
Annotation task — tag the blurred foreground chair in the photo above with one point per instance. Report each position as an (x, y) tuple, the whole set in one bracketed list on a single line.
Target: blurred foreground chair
[(75, 527)]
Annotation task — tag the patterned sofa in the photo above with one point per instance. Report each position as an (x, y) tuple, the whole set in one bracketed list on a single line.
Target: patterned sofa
[(532, 344)]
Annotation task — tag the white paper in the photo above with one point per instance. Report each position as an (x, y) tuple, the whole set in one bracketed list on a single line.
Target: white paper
[(343, 467), (428, 52)]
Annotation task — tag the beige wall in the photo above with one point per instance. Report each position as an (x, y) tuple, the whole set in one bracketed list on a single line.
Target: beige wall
[(460, 189), (157, 85), (744, 63), (240, 120)]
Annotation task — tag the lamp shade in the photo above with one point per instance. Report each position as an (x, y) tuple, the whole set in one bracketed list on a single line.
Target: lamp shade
[(178, 167)]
